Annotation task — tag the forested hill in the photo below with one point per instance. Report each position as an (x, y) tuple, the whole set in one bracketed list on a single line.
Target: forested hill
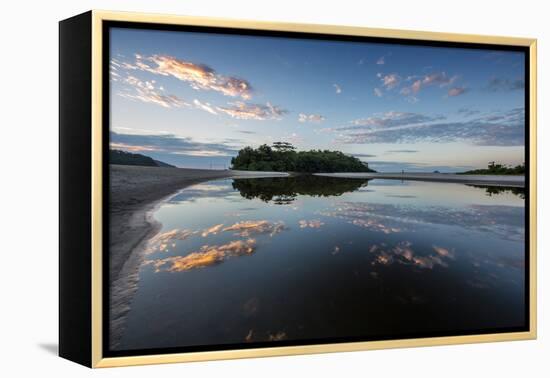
[(283, 157), (128, 158)]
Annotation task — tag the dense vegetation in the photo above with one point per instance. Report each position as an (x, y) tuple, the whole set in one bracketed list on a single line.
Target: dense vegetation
[(498, 169), (284, 190), (283, 157), (128, 158)]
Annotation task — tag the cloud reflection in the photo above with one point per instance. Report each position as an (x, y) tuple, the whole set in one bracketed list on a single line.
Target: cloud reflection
[(504, 221), (206, 256), (248, 228), (162, 240), (314, 223), (403, 253)]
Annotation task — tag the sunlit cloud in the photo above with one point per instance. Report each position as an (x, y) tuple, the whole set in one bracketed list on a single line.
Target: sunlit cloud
[(440, 79), (204, 106), (314, 223), (248, 228), (206, 256), (337, 88), (456, 91), (390, 81), (315, 118), (146, 91), (128, 147), (241, 110), (198, 76)]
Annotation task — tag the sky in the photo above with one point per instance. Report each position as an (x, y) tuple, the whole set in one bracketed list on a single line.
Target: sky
[(195, 99)]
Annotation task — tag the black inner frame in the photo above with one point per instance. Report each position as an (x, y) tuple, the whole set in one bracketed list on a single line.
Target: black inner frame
[(107, 25)]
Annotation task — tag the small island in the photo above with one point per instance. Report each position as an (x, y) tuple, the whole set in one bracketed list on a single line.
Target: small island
[(283, 157)]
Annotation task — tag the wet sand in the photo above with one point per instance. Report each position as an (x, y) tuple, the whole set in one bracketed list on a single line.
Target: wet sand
[(134, 193), (486, 180)]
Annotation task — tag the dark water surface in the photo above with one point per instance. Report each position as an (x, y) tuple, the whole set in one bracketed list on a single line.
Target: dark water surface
[(312, 258)]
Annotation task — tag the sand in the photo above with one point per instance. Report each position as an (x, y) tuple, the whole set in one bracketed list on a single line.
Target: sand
[(486, 180)]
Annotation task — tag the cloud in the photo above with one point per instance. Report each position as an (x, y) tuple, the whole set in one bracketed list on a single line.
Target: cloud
[(437, 78), (316, 118), (378, 92), (398, 166), (503, 85), (146, 91), (390, 81), (131, 148), (401, 151), (467, 112), (388, 120), (206, 256), (456, 91), (381, 60), (241, 110), (204, 106), (500, 129), (363, 155), (169, 143), (198, 76), (337, 88)]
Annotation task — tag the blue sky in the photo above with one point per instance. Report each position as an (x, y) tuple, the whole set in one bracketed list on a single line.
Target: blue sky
[(195, 99)]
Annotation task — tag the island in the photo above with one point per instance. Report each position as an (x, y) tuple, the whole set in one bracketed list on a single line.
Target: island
[(283, 157)]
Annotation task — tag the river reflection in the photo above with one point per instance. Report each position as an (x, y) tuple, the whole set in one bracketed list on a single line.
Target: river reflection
[(308, 258)]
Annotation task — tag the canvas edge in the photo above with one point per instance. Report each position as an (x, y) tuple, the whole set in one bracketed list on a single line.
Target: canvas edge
[(98, 16)]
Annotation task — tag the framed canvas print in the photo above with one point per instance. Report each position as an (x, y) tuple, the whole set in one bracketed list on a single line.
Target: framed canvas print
[(235, 189)]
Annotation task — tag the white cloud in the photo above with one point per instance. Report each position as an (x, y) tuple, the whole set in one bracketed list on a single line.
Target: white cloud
[(316, 118)]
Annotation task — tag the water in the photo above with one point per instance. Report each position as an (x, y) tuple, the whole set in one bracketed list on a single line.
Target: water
[(311, 259)]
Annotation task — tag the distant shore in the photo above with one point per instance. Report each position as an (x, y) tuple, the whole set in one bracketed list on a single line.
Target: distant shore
[(488, 180), (135, 192)]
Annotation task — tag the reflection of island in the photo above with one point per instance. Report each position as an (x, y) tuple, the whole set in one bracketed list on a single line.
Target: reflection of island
[(494, 190), (283, 190)]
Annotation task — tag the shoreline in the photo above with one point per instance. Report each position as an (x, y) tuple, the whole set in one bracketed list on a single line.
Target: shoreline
[(483, 180), (135, 193)]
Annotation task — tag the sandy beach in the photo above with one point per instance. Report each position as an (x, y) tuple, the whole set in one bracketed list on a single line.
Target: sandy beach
[(487, 180)]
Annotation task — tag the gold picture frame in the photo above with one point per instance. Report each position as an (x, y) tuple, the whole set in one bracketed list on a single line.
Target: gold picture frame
[(96, 359)]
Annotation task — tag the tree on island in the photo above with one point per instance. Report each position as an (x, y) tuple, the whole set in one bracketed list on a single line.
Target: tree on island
[(283, 157), (498, 169)]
